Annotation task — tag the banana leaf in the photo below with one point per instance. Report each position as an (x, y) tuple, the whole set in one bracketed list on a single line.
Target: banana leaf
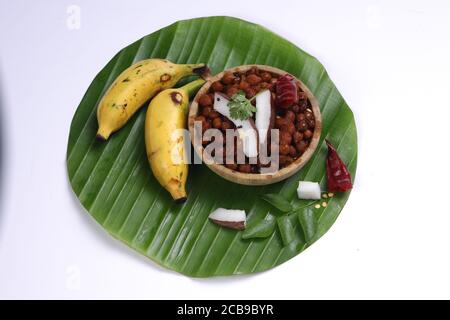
[(115, 185)]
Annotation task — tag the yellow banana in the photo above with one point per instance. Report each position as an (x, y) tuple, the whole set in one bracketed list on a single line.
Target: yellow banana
[(166, 114), (133, 87)]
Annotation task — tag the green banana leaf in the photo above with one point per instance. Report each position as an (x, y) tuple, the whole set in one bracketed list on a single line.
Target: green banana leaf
[(115, 185)]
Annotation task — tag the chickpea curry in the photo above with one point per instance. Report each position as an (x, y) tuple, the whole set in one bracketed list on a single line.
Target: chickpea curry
[(289, 112)]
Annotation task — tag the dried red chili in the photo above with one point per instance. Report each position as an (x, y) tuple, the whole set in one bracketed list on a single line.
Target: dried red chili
[(338, 177), (286, 91)]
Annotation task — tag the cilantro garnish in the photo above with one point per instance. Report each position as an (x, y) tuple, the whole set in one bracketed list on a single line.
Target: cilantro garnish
[(240, 107)]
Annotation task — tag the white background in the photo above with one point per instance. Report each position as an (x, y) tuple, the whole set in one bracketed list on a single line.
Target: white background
[(389, 59)]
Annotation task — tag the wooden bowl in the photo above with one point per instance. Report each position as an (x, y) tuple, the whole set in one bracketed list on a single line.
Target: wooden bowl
[(256, 178)]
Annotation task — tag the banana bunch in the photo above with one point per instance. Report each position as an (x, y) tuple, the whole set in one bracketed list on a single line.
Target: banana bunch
[(166, 114), (164, 138), (136, 85)]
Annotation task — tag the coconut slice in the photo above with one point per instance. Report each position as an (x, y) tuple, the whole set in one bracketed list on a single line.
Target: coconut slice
[(234, 219), (308, 190), (246, 128), (248, 135), (263, 114)]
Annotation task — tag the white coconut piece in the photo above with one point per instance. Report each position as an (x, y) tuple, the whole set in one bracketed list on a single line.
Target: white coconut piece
[(248, 135), (263, 114), (246, 128), (234, 219), (308, 190)]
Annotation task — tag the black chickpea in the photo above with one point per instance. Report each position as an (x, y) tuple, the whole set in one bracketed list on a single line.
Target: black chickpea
[(289, 127), (253, 70), (285, 137), (301, 146), (217, 86), (302, 125), (206, 111), (253, 79), (244, 85), (213, 114), (266, 76), (205, 100), (309, 115), (250, 93), (228, 78), (292, 151), (300, 117), (303, 105), (279, 122), (231, 91), (308, 134), (217, 123), (284, 149), (295, 108), (298, 136)]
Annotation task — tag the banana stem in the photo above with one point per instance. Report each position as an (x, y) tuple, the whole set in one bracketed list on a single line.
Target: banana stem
[(196, 65), (199, 69), (192, 87)]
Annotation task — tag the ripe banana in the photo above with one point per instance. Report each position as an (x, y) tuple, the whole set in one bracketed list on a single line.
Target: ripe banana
[(166, 114), (136, 85)]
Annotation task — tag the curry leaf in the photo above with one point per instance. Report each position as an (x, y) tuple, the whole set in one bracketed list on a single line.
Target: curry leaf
[(286, 228), (278, 202), (308, 222), (240, 107), (262, 229)]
